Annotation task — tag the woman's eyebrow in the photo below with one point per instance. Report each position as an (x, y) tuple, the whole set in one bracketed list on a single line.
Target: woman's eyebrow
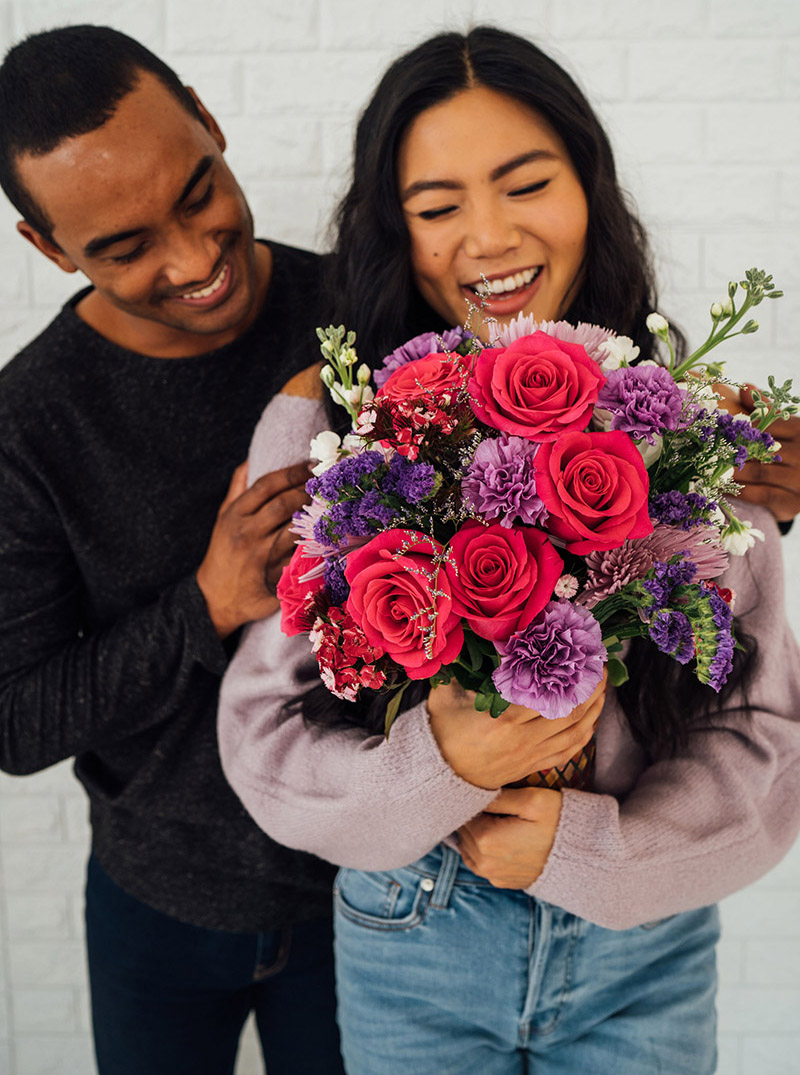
[(497, 173)]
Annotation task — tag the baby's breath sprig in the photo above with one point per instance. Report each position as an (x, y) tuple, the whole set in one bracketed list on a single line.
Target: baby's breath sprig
[(337, 376)]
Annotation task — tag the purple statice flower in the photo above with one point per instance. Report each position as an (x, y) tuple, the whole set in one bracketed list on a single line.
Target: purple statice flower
[(335, 581), (362, 516), (588, 336), (681, 509), (672, 632), (740, 432), (667, 578), (421, 346), (500, 482), (344, 475), (642, 400), (715, 651), (609, 571), (409, 480), (555, 663)]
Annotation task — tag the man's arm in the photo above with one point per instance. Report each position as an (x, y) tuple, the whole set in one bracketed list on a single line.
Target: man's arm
[(66, 689)]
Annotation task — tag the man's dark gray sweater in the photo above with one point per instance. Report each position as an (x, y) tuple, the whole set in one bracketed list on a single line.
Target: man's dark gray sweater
[(112, 468)]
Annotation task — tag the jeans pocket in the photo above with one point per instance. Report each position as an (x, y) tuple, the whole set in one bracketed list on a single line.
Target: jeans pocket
[(385, 900)]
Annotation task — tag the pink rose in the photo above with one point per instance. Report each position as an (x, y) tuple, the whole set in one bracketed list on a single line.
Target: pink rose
[(400, 597), (537, 387), (297, 597), (501, 577), (434, 376), (595, 486)]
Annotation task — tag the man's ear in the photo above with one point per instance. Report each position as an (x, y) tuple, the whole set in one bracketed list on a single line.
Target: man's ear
[(46, 246), (208, 121)]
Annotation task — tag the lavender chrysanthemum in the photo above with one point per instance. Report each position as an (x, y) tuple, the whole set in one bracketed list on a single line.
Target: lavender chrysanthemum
[(555, 663), (419, 347), (588, 336), (642, 400), (500, 482), (609, 571)]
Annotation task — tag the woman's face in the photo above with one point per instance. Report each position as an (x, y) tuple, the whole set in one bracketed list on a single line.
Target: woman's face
[(489, 191)]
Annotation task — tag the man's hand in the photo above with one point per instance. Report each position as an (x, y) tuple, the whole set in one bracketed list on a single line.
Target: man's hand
[(510, 850), (250, 545), (491, 752), (774, 485)]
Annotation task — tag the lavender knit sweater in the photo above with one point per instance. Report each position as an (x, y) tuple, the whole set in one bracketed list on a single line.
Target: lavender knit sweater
[(650, 841)]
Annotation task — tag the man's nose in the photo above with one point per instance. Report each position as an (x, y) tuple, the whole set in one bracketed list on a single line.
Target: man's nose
[(190, 260)]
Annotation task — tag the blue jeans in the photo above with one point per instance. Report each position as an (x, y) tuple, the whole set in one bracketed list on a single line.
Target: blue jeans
[(169, 998), (438, 972)]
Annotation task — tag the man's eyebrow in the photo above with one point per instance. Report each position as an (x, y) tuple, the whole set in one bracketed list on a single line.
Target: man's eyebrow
[(497, 173), (102, 242), (98, 245), (200, 169)]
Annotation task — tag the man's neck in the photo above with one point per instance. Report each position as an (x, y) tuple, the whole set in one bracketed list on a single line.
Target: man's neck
[(164, 341)]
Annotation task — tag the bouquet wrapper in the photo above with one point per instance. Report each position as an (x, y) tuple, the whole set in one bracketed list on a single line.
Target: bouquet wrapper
[(578, 773)]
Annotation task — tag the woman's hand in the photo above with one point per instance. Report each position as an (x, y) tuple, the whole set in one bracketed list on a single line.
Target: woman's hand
[(775, 485), (490, 752), (509, 842)]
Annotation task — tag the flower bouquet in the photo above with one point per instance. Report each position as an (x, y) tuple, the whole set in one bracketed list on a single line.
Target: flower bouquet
[(510, 514)]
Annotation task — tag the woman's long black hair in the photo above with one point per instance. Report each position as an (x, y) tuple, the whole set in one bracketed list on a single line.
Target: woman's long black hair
[(371, 289)]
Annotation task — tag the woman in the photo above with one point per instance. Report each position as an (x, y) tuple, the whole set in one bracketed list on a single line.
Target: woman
[(570, 930)]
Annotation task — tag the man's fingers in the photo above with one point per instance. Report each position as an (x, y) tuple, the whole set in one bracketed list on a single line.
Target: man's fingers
[(237, 486), (272, 485)]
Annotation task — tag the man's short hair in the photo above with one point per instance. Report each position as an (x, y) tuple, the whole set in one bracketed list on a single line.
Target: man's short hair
[(62, 83)]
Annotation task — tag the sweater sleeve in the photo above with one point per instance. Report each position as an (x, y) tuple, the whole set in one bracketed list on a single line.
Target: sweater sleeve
[(66, 689), (355, 800), (698, 827)]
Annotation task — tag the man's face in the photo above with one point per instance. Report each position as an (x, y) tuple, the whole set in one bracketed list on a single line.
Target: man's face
[(146, 207)]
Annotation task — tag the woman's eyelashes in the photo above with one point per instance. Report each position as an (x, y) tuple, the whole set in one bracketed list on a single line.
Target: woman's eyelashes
[(518, 192)]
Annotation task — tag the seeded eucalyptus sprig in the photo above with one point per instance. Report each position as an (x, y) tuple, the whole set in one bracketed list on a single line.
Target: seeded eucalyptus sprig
[(337, 376)]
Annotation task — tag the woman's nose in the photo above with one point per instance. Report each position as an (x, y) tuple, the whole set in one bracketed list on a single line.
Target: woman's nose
[(490, 232)]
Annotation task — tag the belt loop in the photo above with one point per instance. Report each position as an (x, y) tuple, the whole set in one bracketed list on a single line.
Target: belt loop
[(451, 860)]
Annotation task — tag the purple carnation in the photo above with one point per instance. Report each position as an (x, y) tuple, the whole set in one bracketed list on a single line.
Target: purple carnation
[(421, 346), (500, 482), (643, 401), (555, 663), (672, 633)]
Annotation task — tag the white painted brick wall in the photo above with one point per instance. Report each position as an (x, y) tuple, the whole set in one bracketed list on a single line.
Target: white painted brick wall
[(702, 100)]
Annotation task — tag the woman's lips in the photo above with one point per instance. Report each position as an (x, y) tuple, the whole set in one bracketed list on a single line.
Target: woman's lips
[(212, 294), (505, 303)]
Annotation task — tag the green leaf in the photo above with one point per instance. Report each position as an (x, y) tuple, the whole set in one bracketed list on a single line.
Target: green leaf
[(393, 707), (617, 672), (483, 701), (498, 706)]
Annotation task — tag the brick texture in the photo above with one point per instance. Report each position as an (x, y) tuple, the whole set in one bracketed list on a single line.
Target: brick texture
[(702, 102)]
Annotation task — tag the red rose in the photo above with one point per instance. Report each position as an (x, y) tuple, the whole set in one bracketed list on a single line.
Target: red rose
[(501, 577), (295, 596), (537, 387), (433, 377), (595, 486), (400, 597)]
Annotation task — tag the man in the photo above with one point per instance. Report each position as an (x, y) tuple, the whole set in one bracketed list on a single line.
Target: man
[(121, 584)]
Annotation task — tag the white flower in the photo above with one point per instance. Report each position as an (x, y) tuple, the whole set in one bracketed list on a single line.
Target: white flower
[(619, 351), (602, 419), (657, 324), (325, 448), (739, 536), (363, 373)]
